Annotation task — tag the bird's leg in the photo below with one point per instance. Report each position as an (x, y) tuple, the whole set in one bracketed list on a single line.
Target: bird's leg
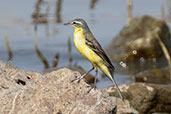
[(95, 80), (82, 76)]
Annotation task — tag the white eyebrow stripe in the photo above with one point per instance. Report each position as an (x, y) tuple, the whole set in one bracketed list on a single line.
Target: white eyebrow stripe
[(78, 22)]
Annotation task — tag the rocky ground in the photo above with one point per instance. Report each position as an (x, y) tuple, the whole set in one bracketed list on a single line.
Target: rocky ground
[(24, 92), (53, 93), (146, 98)]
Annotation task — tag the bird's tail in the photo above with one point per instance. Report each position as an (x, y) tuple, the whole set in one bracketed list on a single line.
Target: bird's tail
[(117, 88), (109, 73)]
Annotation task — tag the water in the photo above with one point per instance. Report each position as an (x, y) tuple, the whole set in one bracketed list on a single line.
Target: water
[(105, 21)]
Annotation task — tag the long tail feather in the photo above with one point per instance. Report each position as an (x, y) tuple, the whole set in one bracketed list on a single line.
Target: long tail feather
[(117, 88)]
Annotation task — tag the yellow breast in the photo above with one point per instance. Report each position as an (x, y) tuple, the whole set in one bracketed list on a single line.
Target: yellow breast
[(79, 40)]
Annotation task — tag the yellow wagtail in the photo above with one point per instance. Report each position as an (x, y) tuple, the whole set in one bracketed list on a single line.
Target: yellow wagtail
[(89, 47)]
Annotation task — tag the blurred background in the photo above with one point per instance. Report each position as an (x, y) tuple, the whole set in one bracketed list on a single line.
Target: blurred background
[(33, 37)]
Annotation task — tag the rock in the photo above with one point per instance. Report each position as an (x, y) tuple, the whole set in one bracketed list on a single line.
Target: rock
[(89, 78), (137, 41), (52, 93), (146, 98), (156, 76)]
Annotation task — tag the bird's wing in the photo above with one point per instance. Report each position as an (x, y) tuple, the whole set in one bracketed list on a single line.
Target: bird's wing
[(95, 46)]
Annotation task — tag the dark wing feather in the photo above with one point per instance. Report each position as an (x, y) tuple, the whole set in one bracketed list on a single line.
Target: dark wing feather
[(95, 46)]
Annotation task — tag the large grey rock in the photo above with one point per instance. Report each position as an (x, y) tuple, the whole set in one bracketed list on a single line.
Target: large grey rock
[(146, 98), (53, 93), (138, 40)]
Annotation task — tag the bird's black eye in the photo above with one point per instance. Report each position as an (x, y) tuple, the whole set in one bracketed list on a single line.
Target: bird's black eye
[(74, 22)]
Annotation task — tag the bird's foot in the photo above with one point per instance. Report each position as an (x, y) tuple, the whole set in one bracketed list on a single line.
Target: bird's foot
[(78, 79), (91, 87)]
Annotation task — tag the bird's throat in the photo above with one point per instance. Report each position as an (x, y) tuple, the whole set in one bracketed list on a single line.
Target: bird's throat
[(78, 29)]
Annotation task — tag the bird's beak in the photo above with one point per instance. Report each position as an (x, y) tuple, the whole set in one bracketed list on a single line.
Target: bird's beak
[(67, 23)]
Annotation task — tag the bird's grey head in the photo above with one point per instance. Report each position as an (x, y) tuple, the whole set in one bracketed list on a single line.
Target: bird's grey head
[(76, 23)]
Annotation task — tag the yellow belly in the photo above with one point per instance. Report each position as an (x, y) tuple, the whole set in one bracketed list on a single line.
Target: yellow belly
[(91, 56), (79, 41)]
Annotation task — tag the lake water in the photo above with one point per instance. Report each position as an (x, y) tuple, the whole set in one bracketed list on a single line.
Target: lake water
[(105, 21)]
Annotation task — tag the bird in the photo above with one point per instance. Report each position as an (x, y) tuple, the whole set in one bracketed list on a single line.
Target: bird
[(90, 48)]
